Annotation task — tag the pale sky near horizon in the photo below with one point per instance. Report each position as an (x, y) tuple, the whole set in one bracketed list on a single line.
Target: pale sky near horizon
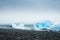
[(29, 11)]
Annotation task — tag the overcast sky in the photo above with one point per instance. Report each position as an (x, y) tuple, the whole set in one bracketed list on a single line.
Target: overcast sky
[(12, 11)]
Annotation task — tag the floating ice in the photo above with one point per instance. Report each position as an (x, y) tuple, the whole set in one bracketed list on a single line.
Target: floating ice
[(43, 25), (39, 26), (47, 26)]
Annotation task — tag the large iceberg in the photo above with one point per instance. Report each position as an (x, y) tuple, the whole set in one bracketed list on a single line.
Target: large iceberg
[(43, 25), (47, 26)]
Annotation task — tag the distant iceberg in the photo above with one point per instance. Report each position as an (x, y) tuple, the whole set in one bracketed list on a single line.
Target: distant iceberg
[(22, 26)]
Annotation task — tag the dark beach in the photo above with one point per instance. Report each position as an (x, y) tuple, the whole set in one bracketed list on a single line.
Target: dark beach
[(17, 34)]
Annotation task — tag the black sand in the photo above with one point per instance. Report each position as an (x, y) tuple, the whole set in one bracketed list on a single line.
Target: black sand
[(15, 34)]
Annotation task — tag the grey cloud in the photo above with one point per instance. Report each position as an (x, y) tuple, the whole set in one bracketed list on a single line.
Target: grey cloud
[(34, 4)]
